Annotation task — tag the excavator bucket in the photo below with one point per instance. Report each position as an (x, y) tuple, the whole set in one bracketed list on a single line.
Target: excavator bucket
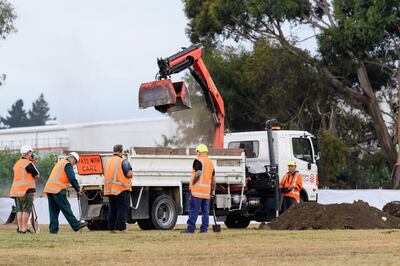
[(164, 95)]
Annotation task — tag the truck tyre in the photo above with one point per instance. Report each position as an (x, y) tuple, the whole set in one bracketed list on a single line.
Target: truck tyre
[(303, 197), (236, 221), (164, 213), (146, 224)]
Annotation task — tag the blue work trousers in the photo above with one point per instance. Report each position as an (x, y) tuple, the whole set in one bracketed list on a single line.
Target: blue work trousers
[(118, 212), (195, 205)]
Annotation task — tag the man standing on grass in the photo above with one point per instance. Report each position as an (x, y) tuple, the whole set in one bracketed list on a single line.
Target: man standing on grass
[(202, 187), (117, 186), (23, 187), (56, 187)]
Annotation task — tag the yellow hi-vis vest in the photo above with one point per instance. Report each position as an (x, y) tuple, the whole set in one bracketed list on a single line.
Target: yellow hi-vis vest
[(115, 180), (202, 188)]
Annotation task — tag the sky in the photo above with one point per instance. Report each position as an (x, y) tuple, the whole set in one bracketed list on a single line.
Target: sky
[(88, 57)]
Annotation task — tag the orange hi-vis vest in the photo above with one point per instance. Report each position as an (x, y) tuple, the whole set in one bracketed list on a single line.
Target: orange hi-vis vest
[(202, 188), (22, 179), (292, 182), (58, 179), (115, 180)]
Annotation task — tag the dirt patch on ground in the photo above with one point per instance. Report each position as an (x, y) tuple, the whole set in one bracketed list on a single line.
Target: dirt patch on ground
[(392, 208), (311, 215)]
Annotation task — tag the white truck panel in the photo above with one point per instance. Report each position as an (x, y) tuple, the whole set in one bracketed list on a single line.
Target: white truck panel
[(172, 170)]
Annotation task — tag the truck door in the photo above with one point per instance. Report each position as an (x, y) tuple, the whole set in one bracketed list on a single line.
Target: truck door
[(303, 155)]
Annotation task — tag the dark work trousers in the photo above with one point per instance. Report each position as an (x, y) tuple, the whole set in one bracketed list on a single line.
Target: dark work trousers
[(195, 205), (287, 202), (118, 212), (58, 202)]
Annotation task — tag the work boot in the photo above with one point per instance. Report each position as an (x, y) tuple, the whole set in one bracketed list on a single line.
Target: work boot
[(186, 232), (81, 226)]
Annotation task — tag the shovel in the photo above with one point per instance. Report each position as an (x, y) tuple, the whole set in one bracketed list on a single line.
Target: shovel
[(34, 220), (216, 227)]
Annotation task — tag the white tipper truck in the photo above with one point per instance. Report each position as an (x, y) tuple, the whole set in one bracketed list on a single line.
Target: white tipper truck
[(247, 173)]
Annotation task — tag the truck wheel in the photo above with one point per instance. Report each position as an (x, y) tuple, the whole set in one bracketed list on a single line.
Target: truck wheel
[(236, 221), (164, 213), (146, 224)]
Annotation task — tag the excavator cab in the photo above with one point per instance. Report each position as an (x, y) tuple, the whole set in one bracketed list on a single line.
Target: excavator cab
[(164, 96)]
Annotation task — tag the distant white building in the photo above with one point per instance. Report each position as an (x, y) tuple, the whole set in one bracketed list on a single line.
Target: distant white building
[(98, 136)]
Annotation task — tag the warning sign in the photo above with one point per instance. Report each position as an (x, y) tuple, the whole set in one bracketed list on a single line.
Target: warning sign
[(90, 165)]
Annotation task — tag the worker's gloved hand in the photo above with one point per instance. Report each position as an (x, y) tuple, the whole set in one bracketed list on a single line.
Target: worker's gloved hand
[(212, 194)]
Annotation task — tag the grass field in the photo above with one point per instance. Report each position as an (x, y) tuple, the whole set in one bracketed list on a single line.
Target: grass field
[(231, 247)]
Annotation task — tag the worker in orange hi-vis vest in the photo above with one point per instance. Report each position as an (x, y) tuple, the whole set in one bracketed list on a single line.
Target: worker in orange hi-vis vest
[(290, 186), (24, 188), (117, 186), (202, 187), (61, 177)]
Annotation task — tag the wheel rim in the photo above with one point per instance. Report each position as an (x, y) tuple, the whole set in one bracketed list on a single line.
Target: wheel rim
[(164, 213)]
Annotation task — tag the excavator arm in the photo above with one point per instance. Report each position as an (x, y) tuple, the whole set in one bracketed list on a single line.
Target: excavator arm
[(166, 96)]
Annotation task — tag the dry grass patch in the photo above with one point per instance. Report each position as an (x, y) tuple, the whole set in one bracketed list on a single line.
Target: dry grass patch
[(237, 247)]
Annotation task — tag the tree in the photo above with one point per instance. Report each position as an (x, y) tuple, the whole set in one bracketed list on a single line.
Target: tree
[(358, 44), (268, 82), (7, 17), (16, 116), (39, 113)]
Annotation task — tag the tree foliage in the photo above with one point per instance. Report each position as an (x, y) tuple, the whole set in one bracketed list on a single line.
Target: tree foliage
[(358, 48), (268, 82), (7, 18), (39, 113), (19, 117), (7, 160)]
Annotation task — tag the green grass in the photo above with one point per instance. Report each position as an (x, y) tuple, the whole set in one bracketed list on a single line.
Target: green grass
[(231, 247)]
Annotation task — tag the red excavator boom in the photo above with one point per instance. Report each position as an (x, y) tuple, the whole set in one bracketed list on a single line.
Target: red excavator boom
[(166, 96)]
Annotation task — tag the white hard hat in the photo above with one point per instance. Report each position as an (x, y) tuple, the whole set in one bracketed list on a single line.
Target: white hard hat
[(75, 155), (25, 149)]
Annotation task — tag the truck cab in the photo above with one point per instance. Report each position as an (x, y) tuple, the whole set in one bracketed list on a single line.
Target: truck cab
[(288, 145)]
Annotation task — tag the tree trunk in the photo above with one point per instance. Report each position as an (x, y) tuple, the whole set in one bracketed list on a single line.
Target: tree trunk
[(396, 168), (374, 111)]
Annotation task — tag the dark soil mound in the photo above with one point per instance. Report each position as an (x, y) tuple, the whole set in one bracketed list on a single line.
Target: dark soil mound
[(311, 215), (393, 208)]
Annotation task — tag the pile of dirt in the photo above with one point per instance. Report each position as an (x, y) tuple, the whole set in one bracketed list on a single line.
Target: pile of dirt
[(393, 208), (311, 215)]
